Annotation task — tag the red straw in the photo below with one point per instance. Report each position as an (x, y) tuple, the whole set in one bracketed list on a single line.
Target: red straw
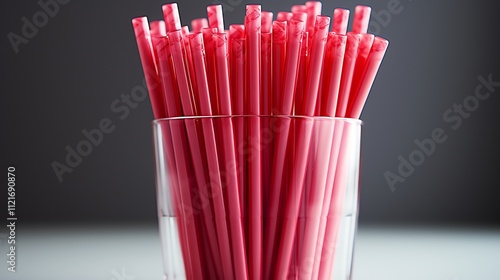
[(313, 9), (278, 60), (196, 43), (303, 62), (143, 38), (303, 65), (180, 148), (253, 40), (215, 17), (361, 19), (335, 214), (179, 61), (158, 28), (284, 16), (315, 66), (198, 23), (295, 33), (171, 17), (340, 21), (292, 206), (266, 99), (210, 57), (334, 58), (233, 201), (372, 65), (266, 62), (363, 51), (237, 81), (347, 72), (299, 9)]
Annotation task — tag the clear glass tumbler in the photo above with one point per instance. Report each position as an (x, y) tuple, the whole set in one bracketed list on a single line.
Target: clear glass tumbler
[(257, 197)]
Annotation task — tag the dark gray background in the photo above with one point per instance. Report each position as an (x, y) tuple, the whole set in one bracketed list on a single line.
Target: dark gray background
[(65, 79)]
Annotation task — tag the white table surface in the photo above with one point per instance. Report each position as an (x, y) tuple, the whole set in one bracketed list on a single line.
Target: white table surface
[(126, 253)]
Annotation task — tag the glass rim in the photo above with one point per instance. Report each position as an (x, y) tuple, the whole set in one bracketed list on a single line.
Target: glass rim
[(350, 120)]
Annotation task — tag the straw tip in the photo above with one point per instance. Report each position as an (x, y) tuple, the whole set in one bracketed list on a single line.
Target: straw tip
[(158, 28), (220, 39), (175, 36), (380, 44), (267, 21), (322, 22), (300, 16), (236, 31), (171, 16), (299, 9), (363, 9), (253, 12), (196, 41), (284, 16), (314, 5), (340, 12), (139, 20)]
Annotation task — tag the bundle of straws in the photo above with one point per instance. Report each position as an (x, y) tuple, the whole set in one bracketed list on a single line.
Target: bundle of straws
[(289, 66)]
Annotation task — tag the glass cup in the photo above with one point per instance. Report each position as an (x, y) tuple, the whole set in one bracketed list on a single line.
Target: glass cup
[(257, 197)]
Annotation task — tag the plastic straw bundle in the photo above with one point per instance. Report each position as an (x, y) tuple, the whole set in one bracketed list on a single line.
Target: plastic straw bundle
[(294, 65)]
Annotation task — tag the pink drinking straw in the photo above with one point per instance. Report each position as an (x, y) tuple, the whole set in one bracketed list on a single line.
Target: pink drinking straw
[(196, 43), (229, 152), (157, 29), (266, 62), (299, 9), (334, 58), (304, 129), (189, 226), (313, 9), (179, 62), (284, 16), (315, 66), (350, 55), (266, 99), (185, 32), (215, 17), (361, 19), (363, 51), (171, 17), (372, 65), (176, 44), (210, 58), (295, 34), (198, 23), (278, 61), (303, 64), (157, 33), (237, 82), (253, 24), (338, 195), (341, 146), (143, 38), (340, 21)]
